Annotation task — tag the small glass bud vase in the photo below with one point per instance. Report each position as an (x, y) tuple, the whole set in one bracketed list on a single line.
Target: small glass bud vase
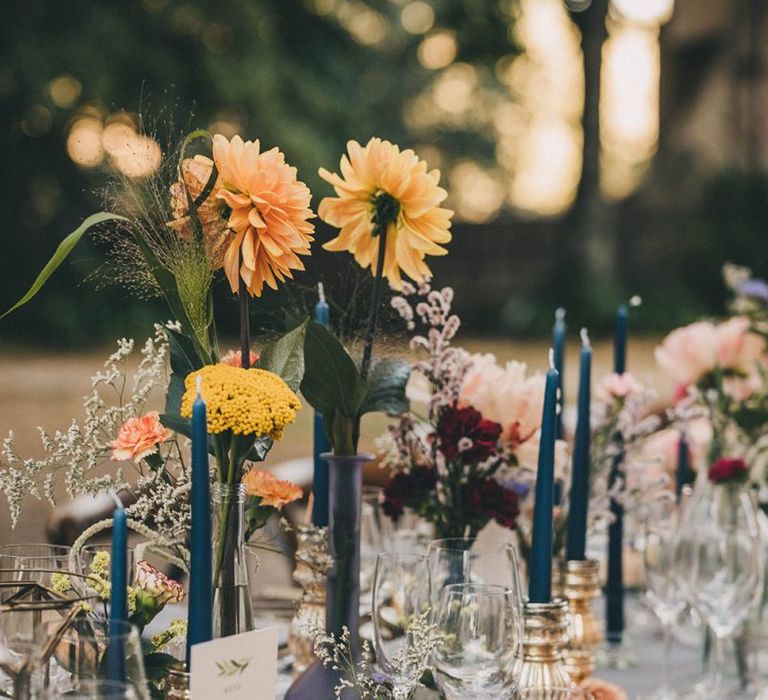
[(312, 561), (578, 584), (231, 591), (545, 636)]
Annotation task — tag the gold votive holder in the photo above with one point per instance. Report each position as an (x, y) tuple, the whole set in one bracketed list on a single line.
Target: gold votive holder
[(177, 683), (578, 583), (545, 635)]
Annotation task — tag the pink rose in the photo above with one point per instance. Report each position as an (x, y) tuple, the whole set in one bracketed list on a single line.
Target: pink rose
[(618, 386), (737, 347), (139, 437), (505, 395), (688, 354)]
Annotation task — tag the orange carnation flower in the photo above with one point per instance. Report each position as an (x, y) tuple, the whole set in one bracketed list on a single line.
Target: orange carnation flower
[(603, 690), (139, 437), (269, 212), (234, 358), (271, 490), (384, 188)]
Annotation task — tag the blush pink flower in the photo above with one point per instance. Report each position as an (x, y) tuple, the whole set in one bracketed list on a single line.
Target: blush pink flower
[(602, 690), (234, 358), (618, 386), (139, 437), (505, 395), (688, 354), (737, 347)]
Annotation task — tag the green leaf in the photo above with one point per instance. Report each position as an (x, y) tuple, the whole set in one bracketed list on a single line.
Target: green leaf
[(332, 383), (256, 516), (386, 387), (260, 449), (184, 356), (177, 424), (156, 664), (61, 254), (285, 356), (173, 396)]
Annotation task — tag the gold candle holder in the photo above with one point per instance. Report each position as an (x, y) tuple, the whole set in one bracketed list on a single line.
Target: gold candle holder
[(545, 635), (577, 582)]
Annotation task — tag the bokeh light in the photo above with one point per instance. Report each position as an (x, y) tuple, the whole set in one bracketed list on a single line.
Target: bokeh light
[(438, 50), (64, 91), (417, 17)]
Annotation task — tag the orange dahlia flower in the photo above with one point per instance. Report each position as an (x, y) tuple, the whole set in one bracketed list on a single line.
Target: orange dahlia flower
[(139, 437), (384, 188), (271, 490), (269, 212), (234, 358)]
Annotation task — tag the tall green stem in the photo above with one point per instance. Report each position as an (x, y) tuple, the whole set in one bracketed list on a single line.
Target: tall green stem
[(245, 320), (373, 317)]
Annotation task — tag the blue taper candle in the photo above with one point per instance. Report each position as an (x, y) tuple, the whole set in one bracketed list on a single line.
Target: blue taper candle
[(683, 463), (200, 612), (320, 441), (118, 600), (576, 542), (540, 585), (620, 343), (558, 346)]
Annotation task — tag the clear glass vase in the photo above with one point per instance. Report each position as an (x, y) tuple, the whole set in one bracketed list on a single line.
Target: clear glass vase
[(231, 591)]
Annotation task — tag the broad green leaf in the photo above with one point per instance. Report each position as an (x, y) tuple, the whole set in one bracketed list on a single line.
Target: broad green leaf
[(260, 449), (156, 665), (176, 389), (332, 383), (177, 424), (386, 387), (285, 356), (61, 254), (184, 357)]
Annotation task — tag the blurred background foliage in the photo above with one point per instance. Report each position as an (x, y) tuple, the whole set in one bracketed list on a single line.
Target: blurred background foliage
[(592, 150)]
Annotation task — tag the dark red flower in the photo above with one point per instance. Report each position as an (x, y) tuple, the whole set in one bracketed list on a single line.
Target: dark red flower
[(408, 490), (728, 469), (488, 499), (464, 433)]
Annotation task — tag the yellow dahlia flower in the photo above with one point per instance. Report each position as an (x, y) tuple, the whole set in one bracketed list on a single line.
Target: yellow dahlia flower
[(384, 188), (245, 401), (269, 211)]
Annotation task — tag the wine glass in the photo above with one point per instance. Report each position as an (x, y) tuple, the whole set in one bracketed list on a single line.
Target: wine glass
[(662, 576), (721, 564), (473, 621), (554, 693), (91, 689), (89, 648), (400, 604), (22, 638), (450, 561), (370, 537), (33, 562)]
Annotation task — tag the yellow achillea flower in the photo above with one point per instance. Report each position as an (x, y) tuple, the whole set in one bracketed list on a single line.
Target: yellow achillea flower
[(382, 188), (245, 401)]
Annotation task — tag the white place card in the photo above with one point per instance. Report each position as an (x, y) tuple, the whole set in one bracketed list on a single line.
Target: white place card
[(242, 666)]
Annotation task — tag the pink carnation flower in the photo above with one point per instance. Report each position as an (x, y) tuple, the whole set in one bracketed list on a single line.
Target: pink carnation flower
[(505, 395), (139, 437), (156, 584)]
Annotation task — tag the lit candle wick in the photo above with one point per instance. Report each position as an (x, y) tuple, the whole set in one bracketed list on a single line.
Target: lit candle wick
[(559, 314), (585, 338), (321, 292), (635, 300)]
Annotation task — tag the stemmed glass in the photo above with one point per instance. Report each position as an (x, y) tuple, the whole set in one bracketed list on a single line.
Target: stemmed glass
[(663, 579), (400, 597), (474, 624), (32, 562), (450, 561), (721, 564)]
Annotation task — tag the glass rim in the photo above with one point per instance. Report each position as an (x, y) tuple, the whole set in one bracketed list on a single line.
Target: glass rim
[(394, 556), (488, 589), (437, 544), (102, 547), (8, 550), (124, 630)]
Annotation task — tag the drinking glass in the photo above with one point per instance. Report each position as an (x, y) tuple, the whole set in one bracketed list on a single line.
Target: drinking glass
[(400, 596), (450, 561), (664, 589), (93, 690), (473, 621), (721, 564), (22, 638), (371, 542), (554, 693), (33, 562), (87, 554), (90, 648)]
